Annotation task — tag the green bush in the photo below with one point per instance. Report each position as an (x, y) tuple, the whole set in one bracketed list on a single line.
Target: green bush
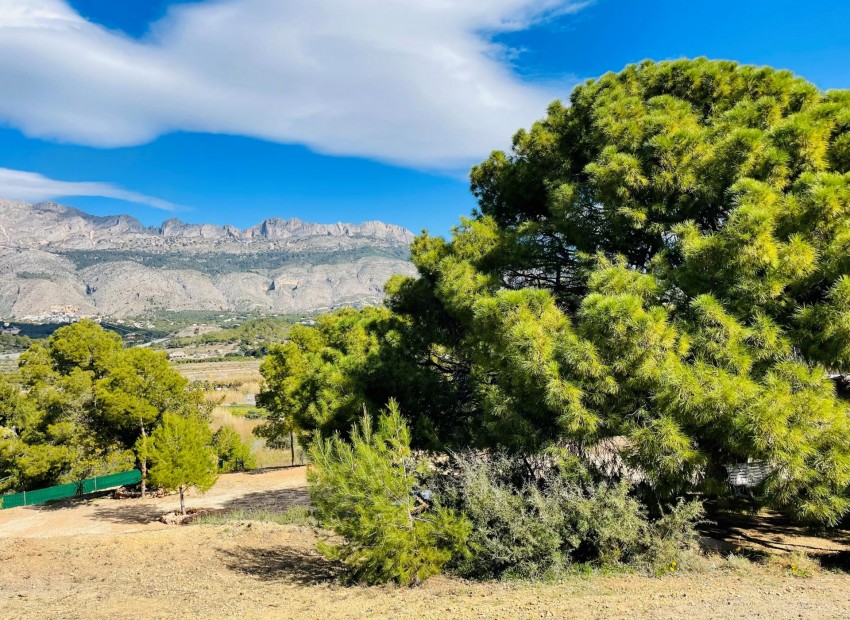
[(516, 531), (234, 454), (537, 525), (673, 538), (10, 342), (365, 490)]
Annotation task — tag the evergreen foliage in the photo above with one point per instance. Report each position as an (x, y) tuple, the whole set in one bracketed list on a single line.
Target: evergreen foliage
[(10, 342), (364, 489), (664, 263), (539, 527), (221, 263), (254, 337), (182, 455), (85, 407), (233, 453)]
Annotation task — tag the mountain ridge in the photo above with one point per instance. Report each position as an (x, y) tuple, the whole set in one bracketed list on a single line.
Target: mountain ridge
[(22, 216), (58, 260)]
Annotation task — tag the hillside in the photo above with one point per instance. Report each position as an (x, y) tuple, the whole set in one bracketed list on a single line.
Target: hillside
[(58, 260)]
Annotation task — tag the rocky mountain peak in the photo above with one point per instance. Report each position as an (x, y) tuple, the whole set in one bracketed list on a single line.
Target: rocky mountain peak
[(60, 259), (49, 223)]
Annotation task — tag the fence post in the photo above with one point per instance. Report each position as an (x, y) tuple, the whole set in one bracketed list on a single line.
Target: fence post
[(25, 498)]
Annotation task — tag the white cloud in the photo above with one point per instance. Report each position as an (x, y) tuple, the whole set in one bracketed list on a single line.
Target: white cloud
[(416, 82), (33, 187)]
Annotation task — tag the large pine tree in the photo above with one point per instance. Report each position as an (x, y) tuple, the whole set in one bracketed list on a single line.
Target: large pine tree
[(662, 265)]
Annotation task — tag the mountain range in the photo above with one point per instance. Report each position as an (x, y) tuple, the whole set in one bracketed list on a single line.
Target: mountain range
[(57, 260)]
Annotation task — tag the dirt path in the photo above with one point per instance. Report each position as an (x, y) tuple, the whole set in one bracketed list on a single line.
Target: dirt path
[(277, 488)]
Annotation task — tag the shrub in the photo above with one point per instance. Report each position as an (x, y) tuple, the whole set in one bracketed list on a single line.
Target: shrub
[(536, 525), (516, 531), (234, 454), (364, 489), (673, 537)]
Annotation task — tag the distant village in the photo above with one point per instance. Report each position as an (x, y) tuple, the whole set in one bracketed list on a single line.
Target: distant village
[(60, 314)]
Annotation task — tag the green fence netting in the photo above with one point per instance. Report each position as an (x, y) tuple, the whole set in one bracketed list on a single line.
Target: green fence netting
[(73, 489)]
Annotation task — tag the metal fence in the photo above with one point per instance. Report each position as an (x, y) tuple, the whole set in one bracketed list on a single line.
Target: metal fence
[(73, 489)]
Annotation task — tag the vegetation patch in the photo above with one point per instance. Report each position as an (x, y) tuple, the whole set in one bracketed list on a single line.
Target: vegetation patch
[(254, 336), (30, 275), (294, 515), (14, 343), (222, 263), (648, 306)]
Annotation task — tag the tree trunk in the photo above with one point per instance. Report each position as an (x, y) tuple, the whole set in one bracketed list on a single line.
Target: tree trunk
[(144, 476), (292, 446), (182, 504), (144, 462)]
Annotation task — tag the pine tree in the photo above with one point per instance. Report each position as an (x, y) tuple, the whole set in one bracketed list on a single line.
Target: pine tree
[(86, 407), (365, 491), (660, 266), (182, 456), (233, 453)]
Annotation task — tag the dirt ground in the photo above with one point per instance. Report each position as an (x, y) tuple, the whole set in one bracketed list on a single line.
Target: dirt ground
[(105, 559), (276, 488)]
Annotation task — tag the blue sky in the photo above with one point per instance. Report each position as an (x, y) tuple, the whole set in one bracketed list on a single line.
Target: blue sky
[(231, 111)]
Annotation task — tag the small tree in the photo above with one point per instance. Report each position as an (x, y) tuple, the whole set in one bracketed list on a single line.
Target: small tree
[(364, 491), (283, 394), (182, 456), (233, 453), (131, 400)]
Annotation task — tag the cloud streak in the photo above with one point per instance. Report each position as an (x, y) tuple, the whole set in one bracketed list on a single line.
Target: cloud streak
[(34, 187), (412, 82)]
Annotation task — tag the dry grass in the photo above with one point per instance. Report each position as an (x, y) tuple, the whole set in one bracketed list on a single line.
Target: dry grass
[(265, 456), (234, 396), (294, 515), (221, 416), (242, 371), (243, 380)]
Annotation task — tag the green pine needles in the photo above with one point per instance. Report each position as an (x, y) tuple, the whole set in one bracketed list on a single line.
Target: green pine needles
[(86, 406), (234, 453), (662, 266), (182, 456), (364, 489)]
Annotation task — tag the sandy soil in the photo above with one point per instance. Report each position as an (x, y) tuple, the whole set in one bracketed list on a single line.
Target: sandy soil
[(260, 570), (104, 558)]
